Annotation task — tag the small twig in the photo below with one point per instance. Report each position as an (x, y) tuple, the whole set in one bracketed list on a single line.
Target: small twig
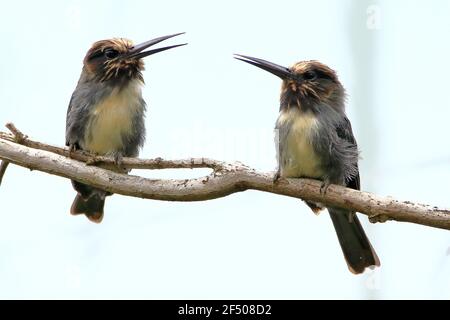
[(3, 167), (19, 137)]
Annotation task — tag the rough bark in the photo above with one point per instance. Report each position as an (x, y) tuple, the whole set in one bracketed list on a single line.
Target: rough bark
[(225, 179)]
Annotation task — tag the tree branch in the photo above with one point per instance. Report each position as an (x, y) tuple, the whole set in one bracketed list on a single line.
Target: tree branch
[(225, 179), (19, 137)]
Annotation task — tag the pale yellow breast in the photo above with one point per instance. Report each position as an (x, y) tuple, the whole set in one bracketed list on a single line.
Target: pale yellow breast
[(111, 120), (298, 158)]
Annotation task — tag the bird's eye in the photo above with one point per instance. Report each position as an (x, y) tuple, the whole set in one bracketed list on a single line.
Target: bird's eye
[(310, 75), (111, 53)]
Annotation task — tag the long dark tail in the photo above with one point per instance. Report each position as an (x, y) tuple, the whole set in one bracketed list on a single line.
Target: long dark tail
[(358, 251), (92, 207)]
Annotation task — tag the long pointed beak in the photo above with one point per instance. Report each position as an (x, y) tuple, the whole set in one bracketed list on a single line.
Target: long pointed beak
[(138, 52), (279, 71)]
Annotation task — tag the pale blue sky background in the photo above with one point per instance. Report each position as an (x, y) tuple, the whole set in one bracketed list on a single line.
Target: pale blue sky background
[(392, 56)]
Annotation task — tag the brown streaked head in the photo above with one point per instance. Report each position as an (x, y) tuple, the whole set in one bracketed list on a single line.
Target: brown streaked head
[(305, 84), (119, 58)]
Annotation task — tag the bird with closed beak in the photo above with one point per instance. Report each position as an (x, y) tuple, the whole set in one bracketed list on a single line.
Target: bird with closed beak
[(315, 140), (106, 111)]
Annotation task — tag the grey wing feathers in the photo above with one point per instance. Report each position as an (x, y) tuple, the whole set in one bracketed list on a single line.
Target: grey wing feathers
[(335, 143), (345, 132), (77, 118), (281, 134), (69, 108)]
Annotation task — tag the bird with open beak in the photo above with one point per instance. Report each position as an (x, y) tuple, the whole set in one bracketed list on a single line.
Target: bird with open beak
[(315, 140), (106, 111)]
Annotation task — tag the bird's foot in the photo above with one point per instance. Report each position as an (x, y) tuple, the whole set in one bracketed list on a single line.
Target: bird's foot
[(118, 160), (276, 177), (72, 149), (324, 187)]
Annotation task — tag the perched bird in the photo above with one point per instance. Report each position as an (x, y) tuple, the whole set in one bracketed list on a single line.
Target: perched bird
[(106, 111), (315, 140)]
